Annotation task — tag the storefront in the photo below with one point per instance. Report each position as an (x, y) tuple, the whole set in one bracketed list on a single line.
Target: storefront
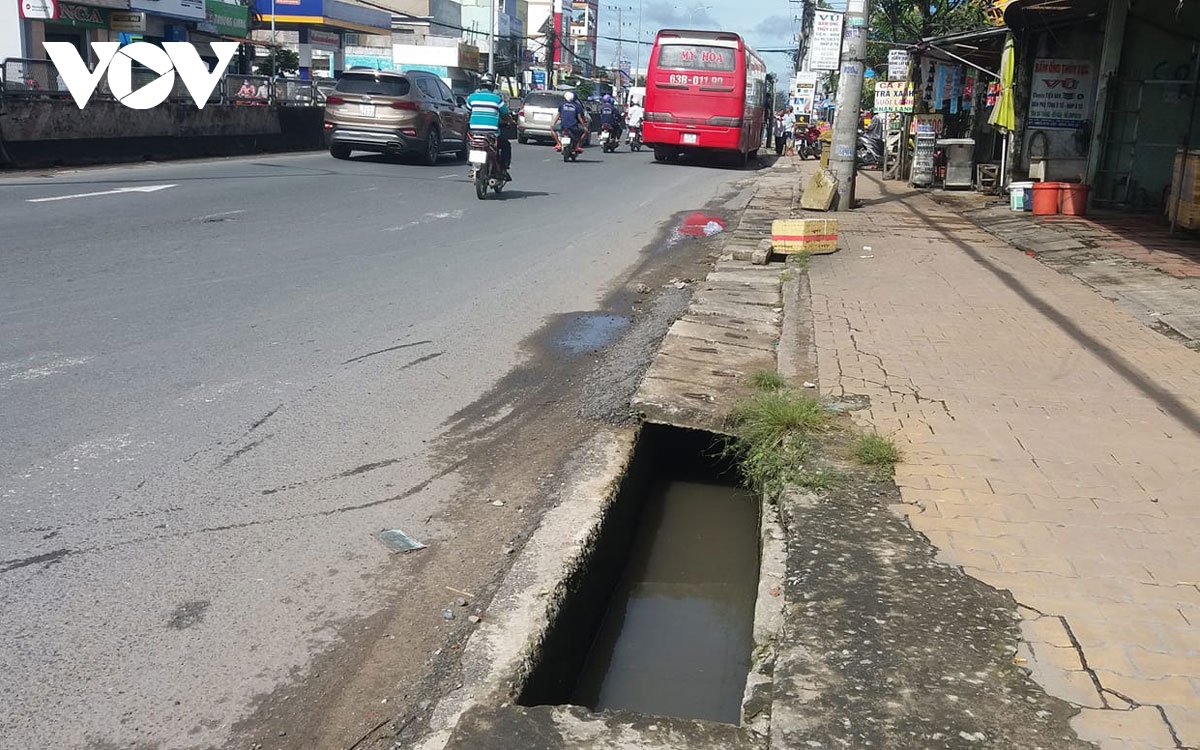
[(322, 27), (1107, 93), (78, 23)]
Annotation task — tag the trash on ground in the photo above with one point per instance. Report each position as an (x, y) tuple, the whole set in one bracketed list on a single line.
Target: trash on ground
[(809, 384), (447, 614), (700, 224), (398, 541)]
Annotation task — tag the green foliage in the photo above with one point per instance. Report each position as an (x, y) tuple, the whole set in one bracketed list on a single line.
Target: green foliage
[(878, 452), (773, 433), (287, 62), (766, 380)]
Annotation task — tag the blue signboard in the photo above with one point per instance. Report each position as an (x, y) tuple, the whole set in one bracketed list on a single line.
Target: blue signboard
[(539, 79)]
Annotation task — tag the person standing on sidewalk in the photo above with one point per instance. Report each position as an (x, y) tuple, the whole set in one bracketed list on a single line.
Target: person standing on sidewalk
[(784, 122)]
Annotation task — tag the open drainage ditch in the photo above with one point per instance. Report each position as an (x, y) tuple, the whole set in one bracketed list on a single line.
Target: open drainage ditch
[(660, 620)]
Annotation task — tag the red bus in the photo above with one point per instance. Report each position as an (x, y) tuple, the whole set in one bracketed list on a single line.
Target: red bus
[(705, 91)]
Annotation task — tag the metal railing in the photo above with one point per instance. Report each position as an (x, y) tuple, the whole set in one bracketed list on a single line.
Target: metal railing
[(23, 78)]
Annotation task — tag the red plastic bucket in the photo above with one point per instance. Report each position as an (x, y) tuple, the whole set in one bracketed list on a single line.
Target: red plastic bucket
[(1074, 199), (1046, 198)]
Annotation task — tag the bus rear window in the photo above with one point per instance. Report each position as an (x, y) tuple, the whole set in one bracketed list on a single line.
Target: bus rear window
[(696, 57)]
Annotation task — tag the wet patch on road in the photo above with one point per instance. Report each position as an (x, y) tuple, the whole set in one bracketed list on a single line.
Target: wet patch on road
[(188, 614), (589, 332)]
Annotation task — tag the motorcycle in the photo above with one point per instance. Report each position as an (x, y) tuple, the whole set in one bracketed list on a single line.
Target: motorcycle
[(808, 143), (608, 140), (869, 150), (484, 158), (635, 138), (569, 150)]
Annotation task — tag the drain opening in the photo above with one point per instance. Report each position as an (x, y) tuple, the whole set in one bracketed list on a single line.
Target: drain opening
[(661, 620)]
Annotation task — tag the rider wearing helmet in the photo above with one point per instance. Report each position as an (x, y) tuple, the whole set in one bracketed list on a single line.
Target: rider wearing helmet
[(610, 116), (571, 117), (487, 108)]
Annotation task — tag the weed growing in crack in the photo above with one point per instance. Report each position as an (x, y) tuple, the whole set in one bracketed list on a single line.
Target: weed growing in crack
[(766, 380), (774, 434), (877, 452)]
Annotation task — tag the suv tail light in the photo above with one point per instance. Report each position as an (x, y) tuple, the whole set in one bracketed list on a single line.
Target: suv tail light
[(335, 100), (405, 105)]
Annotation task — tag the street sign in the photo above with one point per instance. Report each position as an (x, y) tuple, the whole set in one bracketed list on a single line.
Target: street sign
[(826, 40), (898, 64)]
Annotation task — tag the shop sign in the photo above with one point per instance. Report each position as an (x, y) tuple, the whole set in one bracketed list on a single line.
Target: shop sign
[(468, 56), (225, 18), (192, 10), (826, 40), (898, 64), (804, 90), (44, 10), (936, 123), (82, 16), (125, 21), (1061, 94), (329, 39), (894, 96)]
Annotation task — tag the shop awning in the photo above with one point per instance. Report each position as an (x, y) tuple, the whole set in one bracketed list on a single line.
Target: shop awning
[(979, 49), (1039, 14)]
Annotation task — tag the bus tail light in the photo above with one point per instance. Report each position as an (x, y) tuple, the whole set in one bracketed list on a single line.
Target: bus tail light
[(658, 117), (725, 122)]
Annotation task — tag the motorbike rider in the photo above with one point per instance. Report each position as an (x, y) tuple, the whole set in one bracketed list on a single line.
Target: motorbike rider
[(571, 117), (633, 117), (487, 109), (610, 116)]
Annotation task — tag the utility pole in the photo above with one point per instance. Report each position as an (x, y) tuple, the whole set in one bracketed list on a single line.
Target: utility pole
[(618, 65), (847, 117), (492, 39)]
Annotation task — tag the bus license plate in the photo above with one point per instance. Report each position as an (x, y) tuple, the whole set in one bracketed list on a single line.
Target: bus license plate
[(366, 110), (477, 157), (690, 138)]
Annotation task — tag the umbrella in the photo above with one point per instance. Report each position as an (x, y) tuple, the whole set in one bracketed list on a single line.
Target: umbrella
[(1003, 116)]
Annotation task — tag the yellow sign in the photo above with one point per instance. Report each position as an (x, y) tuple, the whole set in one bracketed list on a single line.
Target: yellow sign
[(995, 10)]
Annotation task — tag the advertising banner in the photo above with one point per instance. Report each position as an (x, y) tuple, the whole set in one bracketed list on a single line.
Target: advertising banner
[(192, 10), (39, 9), (826, 47), (894, 96), (935, 122), (898, 64), (803, 93), (1061, 94)]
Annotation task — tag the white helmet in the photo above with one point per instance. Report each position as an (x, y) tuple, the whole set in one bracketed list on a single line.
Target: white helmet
[(569, 96)]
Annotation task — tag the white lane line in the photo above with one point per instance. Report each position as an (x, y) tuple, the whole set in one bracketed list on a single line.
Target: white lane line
[(222, 214), (143, 189), (447, 176)]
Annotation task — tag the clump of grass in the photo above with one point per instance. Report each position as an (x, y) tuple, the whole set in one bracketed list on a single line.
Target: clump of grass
[(800, 259), (766, 380), (773, 434), (878, 452)]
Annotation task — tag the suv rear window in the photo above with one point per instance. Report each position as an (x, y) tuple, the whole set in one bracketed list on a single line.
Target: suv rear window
[(696, 57), (543, 100), (366, 83)]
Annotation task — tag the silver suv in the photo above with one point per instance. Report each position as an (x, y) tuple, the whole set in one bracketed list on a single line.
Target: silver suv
[(537, 114)]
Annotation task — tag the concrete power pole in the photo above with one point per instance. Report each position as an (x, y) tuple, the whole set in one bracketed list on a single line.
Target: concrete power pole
[(847, 118)]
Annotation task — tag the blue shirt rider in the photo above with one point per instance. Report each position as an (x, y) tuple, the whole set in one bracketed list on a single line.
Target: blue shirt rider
[(570, 117), (487, 110), (610, 116)]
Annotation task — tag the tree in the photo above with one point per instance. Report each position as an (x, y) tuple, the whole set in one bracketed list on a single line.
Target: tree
[(286, 61)]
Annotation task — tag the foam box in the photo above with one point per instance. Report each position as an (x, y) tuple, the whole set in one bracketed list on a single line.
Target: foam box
[(815, 236)]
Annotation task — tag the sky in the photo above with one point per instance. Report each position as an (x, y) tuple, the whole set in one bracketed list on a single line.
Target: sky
[(762, 23)]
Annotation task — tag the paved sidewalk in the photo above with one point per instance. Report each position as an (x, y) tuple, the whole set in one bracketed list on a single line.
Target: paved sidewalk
[(1052, 448)]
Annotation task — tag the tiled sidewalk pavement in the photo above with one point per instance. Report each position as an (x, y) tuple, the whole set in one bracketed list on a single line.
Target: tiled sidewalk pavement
[(1052, 448)]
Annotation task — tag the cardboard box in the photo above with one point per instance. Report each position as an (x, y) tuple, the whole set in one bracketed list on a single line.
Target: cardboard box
[(816, 236)]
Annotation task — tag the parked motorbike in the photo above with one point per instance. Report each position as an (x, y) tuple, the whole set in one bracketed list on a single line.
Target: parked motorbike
[(608, 139), (808, 142), (484, 158), (869, 150), (635, 138)]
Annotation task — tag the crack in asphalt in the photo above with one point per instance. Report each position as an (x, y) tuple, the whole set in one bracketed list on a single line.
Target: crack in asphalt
[(385, 351)]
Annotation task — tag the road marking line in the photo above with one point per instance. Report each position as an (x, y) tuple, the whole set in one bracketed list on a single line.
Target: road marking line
[(144, 189), (447, 176)]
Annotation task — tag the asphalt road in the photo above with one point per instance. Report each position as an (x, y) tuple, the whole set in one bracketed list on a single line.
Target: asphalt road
[(214, 394)]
